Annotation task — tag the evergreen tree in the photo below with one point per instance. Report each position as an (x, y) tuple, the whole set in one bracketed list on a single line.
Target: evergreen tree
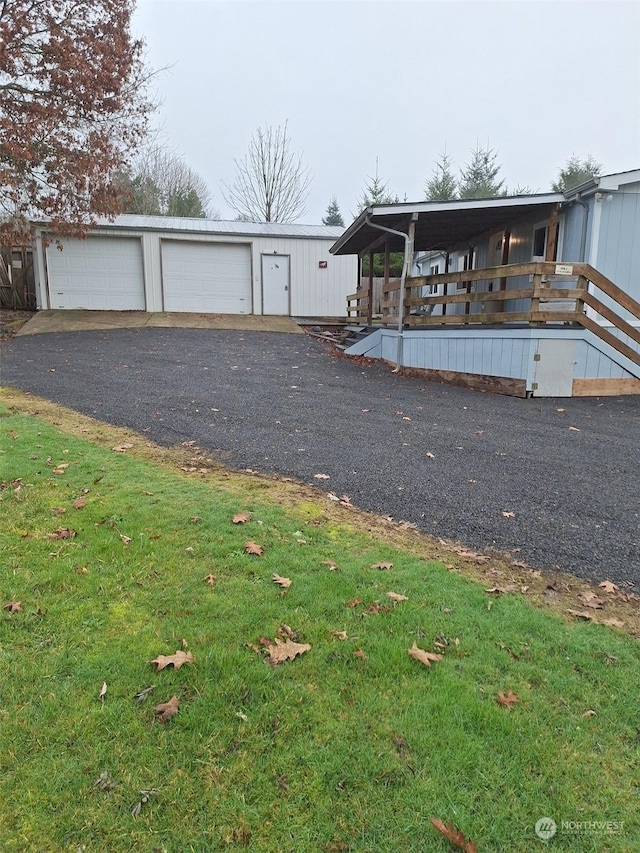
[(376, 192), (442, 186), (333, 216), (576, 172), (480, 178)]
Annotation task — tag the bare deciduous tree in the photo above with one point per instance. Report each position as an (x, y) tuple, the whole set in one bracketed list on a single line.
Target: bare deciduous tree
[(271, 183), (161, 184), (73, 107)]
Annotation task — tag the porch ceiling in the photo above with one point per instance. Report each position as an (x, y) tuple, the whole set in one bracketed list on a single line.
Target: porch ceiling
[(442, 225)]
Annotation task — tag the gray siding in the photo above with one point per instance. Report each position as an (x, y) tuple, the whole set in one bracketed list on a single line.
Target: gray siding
[(618, 249)]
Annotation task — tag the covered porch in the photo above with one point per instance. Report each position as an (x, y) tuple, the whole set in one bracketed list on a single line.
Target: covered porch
[(497, 294)]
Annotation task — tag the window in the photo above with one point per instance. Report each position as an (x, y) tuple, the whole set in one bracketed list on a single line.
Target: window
[(465, 262), (539, 243)]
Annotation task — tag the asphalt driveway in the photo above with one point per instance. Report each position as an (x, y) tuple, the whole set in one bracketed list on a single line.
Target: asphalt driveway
[(555, 481)]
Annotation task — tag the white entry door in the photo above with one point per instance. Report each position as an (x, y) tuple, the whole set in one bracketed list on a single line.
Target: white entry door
[(275, 285)]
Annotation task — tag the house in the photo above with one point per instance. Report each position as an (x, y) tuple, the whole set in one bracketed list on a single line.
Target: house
[(151, 263), (534, 295)]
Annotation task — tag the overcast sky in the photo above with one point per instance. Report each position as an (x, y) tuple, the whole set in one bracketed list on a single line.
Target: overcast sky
[(398, 81)]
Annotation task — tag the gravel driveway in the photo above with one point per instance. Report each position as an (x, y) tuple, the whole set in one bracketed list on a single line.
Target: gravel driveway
[(556, 481)]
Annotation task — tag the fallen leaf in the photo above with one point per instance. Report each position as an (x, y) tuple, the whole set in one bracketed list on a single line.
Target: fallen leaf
[(210, 579), (574, 429), (559, 410), (423, 656), (122, 448), (176, 660), (143, 695), (454, 835), (608, 586), (283, 650), (241, 517), (58, 510), (429, 455), (381, 566), (508, 514), (285, 632), (125, 539), (589, 713), (135, 811), (104, 782), (13, 606), (580, 614), (332, 566), (358, 653), (321, 477), (508, 700), (61, 468), (591, 600), (195, 519), (285, 583), (62, 533), (103, 692), (339, 635), (253, 548), (502, 590), (332, 497), (166, 710), (396, 596), (82, 570), (613, 623), (79, 503), (354, 602)]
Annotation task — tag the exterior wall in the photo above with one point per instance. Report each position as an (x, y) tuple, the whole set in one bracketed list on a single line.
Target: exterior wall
[(525, 354), (617, 251), (315, 292)]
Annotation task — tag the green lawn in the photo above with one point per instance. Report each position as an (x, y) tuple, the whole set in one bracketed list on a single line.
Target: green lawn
[(332, 751)]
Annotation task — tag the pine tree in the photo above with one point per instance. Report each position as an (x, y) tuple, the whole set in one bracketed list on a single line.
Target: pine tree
[(480, 178), (576, 172), (333, 216), (442, 186), (376, 192)]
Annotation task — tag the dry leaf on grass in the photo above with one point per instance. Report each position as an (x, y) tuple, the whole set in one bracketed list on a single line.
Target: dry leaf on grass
[(166, 710), (339, 635), (241, 517), (358, 653), (126, 540), (613, 623), (176, 660), (354, 602), (381, 566), (210, 579), (13, 606), (253, 548), (507, 700), (122, 448), (79, 503), (332, 566), (62, 533), (502, 590), (396, 596), (608, 586), (454, 835), (103, 692), (591, 600), (285, 583), (589, 713), (580, 614), (284, 650), (423, 656), (142, 695)]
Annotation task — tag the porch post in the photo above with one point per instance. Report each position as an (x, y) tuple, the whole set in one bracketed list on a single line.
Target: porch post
[(552, 235), (387, 263), (370, 301)]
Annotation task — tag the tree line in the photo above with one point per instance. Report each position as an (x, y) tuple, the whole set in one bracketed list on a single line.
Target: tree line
[(75, 112)]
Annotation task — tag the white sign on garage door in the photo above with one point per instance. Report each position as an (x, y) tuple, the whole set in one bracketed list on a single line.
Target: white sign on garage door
[(214, 278), (99, 273)]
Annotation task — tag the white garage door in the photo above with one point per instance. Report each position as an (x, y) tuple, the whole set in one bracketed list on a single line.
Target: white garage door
[(211, 278), (99, 273)]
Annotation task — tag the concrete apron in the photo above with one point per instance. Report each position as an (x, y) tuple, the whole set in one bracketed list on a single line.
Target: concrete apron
[(80, 321)]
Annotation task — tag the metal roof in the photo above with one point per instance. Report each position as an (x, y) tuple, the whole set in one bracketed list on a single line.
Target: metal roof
[(222, 227), (441, 224)]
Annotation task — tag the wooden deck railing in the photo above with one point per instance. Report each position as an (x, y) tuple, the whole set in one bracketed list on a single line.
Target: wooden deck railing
[(547, 301)]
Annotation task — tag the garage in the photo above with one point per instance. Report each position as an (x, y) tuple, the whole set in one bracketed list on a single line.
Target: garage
[(99, 273), (211, 278)]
